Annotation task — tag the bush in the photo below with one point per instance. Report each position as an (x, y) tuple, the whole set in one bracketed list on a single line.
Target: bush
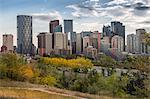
[(48, 80), (26, 72)]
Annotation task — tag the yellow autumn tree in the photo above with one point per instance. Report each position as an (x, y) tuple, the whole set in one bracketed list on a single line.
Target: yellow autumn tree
[(26, 72), (48, 80), (72, 63), (80, 63)]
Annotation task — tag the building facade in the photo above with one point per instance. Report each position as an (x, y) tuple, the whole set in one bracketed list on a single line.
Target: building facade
[(118, 29), (52, 25), (8, 42), (117, 43), (68, 28), (141, 48), (96, 40), (91, 52), (60, 41), (131, 43), (78, 43), (107, 31), (86, 33), (86, 42), (105, 44), (58, 28), (24, 34), (44, 43)]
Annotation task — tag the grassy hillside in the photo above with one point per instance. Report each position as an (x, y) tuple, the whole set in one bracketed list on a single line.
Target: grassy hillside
[(19, 93), (17, 90)]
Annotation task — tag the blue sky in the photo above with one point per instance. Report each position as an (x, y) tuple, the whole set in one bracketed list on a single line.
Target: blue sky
[(87, 14)]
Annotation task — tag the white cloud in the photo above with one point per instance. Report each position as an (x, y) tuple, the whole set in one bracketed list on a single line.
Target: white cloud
[(116, 2), (52, 15), (94, 0), (41, 22), (133, 13), (82, 11)]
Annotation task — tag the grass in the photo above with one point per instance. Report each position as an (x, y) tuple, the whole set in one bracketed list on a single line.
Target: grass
[(14, 90), (14, 93), (10, 83), (23, 90)]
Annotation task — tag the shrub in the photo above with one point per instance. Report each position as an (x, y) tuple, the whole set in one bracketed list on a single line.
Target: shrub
[(48, 80)]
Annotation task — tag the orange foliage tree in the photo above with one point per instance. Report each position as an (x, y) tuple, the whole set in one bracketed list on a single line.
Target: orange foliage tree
[(26, 72)]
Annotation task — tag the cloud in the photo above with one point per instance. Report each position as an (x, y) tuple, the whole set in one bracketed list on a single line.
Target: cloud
[(53, 15), (141, 6), (114, 9), (134, 4), (145, 22), (83, 11), (117, 2), (133, 13), (88, 8)]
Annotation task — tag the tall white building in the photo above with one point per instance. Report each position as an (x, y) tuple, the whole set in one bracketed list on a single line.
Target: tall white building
[(44, 43), (8, 41), (140, 46), (131, 43), (60, 41), (78, 43), (117, 43)]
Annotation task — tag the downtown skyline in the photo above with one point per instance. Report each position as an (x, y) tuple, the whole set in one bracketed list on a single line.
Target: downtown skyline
[(87, 15)]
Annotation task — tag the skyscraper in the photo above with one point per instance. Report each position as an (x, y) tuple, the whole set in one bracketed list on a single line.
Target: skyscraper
[(58, 28), (131, 43), (44, 43), (74, 34), (8, 41), (117, 43), (68, 27), (105, 44), (96, 40), (83, 34), (118, 29), (107, 31), (60, 41), (141, 48), (78, 43), (24, 34), (52, 25)]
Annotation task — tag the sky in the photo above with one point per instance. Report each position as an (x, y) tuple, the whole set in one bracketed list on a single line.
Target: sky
[(87, 15)]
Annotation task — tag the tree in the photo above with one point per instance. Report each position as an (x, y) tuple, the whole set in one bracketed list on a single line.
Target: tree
[(48, 80), (26, 72), (105, 61), (146, 38), (11, 64), (71, 63)]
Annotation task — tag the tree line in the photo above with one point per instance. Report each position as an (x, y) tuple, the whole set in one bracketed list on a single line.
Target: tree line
[(77, 74)]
